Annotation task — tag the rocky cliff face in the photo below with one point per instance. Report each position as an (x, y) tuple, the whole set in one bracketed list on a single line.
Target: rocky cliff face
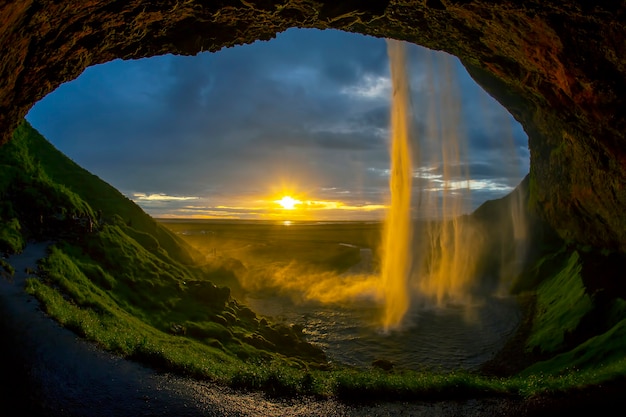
[(558, 67)]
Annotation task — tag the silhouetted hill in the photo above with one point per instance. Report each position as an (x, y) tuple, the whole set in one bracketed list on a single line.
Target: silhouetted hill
[(513, 233), (34, 153)]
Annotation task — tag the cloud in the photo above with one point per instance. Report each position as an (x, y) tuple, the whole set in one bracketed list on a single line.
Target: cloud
[(370, 87), (310, 108), (143, 197)]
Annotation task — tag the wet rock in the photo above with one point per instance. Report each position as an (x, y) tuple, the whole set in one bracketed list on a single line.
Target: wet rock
[(259, 342), (230, 317), (383, 364), (220, 320), (245, 312), (178, 330), (208, 293)]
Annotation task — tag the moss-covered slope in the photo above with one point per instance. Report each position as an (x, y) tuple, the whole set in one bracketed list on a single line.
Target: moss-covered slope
[(116, 276), (36, 153)]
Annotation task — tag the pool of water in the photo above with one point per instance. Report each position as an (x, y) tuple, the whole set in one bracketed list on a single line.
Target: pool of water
[(436, 338)]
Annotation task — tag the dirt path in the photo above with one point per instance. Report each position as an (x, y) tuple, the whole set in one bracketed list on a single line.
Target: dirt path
[(46, 370)]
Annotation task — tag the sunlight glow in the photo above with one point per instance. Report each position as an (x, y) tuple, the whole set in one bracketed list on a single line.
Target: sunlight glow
[(288, 203)]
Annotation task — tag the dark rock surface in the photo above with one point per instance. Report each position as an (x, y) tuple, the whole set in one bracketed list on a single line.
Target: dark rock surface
[(558, 67)]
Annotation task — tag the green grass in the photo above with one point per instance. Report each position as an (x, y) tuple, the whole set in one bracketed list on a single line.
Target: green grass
[(313, 247), (6, 268), (40, 180), (116, 330), (161, 295), (559, 312), (207, 349), (599, 359), (28, 195), (122, 333), (11, 239), (563, 305)]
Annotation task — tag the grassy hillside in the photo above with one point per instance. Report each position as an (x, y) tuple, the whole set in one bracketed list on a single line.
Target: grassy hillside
[(576, 328), (29, 198), (579, 326), (43, 162), (117, 277)]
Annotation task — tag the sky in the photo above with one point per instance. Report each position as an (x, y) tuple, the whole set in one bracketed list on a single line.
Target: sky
[(305, 115)]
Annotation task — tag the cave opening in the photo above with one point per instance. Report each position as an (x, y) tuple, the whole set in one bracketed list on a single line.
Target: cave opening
[(557, 67), (305, 117)]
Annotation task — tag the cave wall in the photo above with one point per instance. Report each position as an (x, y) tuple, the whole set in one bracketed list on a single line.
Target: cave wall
[(558, 67)]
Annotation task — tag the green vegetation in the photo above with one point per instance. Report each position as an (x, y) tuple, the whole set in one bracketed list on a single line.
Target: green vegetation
[(28, 194), (583, 329), (134, 287), (6, 268), (559, 312), (251, 253), (11, 239), (315, 247), (114, 280)]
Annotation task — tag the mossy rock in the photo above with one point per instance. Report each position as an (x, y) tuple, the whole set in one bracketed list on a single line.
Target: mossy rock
[(218, 318), (208, 293), (230, 317), (208, 330), (259, 342)]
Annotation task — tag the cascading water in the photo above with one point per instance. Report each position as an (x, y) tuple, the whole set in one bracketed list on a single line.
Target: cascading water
[(512, 261), (428, 250), (396, 260), (448, 246), (453, 245)]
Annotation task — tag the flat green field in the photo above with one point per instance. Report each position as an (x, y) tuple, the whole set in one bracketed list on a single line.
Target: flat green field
[(315, 246)]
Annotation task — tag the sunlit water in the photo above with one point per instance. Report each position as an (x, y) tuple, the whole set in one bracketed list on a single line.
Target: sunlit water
[(396, 248), (432, 336), (439, 338)]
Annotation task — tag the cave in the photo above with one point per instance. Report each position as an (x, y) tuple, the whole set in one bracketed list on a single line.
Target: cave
[(558, 68)]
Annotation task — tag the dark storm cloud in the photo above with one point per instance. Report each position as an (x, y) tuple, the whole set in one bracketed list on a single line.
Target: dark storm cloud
[(309, 107)]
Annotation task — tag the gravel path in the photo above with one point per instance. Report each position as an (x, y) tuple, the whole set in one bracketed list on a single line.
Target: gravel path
[(46, 370)]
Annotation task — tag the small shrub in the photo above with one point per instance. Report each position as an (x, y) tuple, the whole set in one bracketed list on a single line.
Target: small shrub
[(11, 239), (7, 267)]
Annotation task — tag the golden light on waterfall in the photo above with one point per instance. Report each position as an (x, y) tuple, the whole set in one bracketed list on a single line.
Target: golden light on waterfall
[(437, 257), (452, 244), (396, 254)]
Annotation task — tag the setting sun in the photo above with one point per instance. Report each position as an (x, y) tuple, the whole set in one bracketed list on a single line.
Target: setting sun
[(288, 203)]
